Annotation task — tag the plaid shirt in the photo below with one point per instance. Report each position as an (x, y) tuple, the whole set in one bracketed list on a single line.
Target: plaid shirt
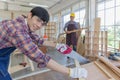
[(16, 33)]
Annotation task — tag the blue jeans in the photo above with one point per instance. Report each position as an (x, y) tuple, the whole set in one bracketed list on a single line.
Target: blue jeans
[(74, 47), (4, 62)]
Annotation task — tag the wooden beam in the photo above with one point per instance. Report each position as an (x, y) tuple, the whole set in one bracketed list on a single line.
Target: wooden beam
[(104, 70), (108, 63)]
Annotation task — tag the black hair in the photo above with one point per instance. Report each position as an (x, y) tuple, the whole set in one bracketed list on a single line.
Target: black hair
[(41, 13)]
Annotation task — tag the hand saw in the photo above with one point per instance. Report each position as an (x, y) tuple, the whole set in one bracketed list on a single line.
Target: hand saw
[(66, 50)]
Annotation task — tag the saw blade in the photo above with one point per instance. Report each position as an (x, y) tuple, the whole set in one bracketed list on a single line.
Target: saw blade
[(77, 56)]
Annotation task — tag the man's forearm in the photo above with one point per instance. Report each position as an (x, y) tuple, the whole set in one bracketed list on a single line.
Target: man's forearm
[(57, 67)]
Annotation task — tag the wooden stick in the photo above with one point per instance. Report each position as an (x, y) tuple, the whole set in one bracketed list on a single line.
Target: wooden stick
[(104, 70), (77, 30), (113, 67)]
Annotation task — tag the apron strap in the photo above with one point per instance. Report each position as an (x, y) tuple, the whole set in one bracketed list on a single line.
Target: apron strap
[(6, 51)]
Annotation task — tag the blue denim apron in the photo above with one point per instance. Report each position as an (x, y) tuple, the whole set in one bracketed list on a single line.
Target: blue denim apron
[(4, 62)]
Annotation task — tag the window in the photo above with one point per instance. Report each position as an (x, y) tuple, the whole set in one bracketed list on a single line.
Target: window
[(109, 12), (101, 14), (117, 2), (117, 17), (66, 18), (109, 16)]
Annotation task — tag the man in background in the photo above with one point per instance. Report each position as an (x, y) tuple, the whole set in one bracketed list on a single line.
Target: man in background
[(71, 37)]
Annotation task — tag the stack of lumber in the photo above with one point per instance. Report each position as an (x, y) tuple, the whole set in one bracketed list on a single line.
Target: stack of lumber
[(102, 69), (95, 41)]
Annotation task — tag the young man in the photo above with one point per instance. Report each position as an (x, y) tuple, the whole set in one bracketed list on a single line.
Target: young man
[(19, 33)]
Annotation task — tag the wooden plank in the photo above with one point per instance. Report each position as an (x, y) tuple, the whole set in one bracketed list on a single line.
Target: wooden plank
[(94, 73), (116, 63), (108, 69), (95, 38), (96, 34), (104, 70), (108, 63), (87, 42), (80, 45), (106, 39)]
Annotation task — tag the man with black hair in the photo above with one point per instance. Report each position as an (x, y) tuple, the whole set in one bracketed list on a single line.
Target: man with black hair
[(19, 33)]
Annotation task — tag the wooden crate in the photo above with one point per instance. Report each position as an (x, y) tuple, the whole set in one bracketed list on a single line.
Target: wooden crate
[(50, 30)]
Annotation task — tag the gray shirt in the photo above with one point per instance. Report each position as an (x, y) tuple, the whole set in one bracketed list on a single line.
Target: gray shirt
[(71, 22)]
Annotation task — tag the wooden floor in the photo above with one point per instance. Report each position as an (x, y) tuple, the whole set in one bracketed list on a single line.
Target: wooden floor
[(50, 75)]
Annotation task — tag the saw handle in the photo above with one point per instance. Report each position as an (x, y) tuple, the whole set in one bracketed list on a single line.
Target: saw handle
[(63, 48)]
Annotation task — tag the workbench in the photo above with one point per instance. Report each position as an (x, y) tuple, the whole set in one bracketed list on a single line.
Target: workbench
[(95, 72)]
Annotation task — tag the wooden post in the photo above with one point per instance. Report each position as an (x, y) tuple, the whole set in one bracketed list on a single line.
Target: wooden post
[(96, 37)]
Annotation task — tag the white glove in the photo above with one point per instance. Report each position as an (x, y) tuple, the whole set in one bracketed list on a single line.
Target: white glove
[(78, 72), (63, 48)]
